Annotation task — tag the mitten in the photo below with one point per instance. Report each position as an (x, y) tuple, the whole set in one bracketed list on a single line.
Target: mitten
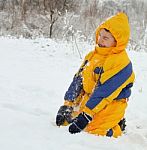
[(64, 114), (79, 123)]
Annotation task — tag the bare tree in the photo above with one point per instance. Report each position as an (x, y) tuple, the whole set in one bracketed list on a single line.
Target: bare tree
[(23, 9), (86, 16), (2, 4), (54, 9)]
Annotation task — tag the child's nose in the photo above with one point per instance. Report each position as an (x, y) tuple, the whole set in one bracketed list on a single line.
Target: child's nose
[(101, 41)]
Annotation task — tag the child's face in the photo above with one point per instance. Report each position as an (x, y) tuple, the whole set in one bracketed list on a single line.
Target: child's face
[(106, 39)]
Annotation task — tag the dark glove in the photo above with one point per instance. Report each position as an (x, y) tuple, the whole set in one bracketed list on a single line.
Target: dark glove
[(79, 123), (64, 114)]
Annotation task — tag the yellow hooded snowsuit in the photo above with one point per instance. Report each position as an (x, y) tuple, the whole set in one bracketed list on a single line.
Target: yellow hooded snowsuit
[(102, 85)]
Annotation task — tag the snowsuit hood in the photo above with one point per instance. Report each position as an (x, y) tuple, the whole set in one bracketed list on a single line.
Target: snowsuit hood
[(119, 27)]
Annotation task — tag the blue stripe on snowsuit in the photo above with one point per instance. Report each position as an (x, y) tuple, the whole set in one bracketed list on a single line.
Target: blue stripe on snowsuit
[(125, 93), (98, 70), (106, 89)]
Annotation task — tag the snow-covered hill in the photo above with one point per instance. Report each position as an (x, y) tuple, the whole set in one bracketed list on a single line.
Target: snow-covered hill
[(34, 75)]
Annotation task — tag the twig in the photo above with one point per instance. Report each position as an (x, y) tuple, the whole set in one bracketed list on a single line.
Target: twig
[(77, 47)]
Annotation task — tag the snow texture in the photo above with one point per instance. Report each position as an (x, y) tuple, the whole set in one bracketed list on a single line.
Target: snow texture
[(34, 75)]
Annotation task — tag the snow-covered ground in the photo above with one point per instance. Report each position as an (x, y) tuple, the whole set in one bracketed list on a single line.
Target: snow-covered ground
[(34, 75)]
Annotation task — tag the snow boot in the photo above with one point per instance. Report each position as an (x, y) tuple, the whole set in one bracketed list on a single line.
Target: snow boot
[(122, 124)]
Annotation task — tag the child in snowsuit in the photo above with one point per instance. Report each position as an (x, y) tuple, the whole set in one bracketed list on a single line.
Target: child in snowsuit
[(97, 97)]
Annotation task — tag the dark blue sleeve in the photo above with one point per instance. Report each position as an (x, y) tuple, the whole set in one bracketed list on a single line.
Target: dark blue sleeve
[(74, 89), (76, 86)]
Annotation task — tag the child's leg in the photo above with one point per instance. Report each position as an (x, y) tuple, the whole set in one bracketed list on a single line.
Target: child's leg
[(108, 118)]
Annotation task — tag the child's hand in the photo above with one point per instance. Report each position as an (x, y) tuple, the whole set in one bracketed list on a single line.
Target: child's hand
[(79, 123), (64, 114)]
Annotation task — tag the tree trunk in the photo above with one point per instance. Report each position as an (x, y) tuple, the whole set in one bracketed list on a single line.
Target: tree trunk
[(23, 11)]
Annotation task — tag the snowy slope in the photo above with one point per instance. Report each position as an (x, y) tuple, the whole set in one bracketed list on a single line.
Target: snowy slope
[(34, 75)]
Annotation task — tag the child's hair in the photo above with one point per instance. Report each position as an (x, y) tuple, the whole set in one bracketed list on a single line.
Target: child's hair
[(106, 30)]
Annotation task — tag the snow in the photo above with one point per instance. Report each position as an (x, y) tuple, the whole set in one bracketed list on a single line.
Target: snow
[(34, 75)]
